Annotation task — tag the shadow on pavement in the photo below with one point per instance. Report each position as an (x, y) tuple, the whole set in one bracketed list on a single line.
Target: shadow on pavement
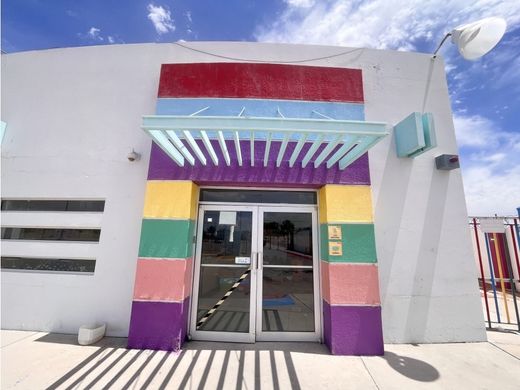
[(72, 339), (113, 363), (299, 347), (412, 368)]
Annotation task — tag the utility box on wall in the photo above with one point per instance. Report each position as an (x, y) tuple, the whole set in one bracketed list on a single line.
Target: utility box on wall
[(447, 162)]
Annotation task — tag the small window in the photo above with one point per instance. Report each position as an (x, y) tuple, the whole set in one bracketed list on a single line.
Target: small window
[(258, 196), (49, 265), (10, 233), (53, 205)]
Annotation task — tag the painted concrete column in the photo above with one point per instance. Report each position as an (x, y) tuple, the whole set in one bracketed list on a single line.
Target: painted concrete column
[(349, 274), (162, 288)]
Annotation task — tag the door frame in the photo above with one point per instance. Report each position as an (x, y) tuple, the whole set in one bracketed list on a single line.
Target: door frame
[(289, 336), (215, 335), (255, 312)]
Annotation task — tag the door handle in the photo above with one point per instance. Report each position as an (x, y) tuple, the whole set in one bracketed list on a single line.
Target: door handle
[(259, 260)]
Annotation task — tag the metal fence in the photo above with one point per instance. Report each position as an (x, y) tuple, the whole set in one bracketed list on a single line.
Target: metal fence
[(496, 246)]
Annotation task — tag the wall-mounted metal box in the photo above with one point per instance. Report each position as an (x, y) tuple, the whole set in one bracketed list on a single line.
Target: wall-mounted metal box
[(447, 162), (415, 135)]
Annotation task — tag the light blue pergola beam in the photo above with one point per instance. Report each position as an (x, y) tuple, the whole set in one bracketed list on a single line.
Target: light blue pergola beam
[(209, 147), (224, 148), (317, 131), (172, 135), (361, 148), (327, 150), (191, 141), (162, 140), (347, 145), (274, 125), (297, 150), (267, 148), (322, 115), (282, 149), (237, 147), (199, 111), (315, 145), (252, 147)]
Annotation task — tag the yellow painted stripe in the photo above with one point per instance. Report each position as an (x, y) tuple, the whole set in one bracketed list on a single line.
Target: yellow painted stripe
[(345, 203), (171, 199)]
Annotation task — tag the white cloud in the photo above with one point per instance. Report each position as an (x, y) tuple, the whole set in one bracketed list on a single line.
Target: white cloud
[(382, 24), (489, 155), (300, 3), (93, 33), (474, 131), (499, 70), (490, 165), (161, 19), (489, 193)]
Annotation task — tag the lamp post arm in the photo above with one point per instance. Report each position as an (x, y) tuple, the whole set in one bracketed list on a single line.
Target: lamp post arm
[(442, 42)]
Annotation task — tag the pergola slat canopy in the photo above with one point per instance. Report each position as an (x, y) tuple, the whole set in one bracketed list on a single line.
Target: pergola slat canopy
[(183, 138)]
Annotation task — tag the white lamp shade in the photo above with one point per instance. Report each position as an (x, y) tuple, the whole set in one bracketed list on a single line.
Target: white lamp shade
[(476, 39)]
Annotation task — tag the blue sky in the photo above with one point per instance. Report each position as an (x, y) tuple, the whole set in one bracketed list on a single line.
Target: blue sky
[(485, 94)]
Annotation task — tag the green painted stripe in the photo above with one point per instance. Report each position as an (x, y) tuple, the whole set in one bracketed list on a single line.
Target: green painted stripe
[(166, 238), (358, 242)]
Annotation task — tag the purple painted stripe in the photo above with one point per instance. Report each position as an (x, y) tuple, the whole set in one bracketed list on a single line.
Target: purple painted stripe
[(158, 325), (163, 168), (353, 330)]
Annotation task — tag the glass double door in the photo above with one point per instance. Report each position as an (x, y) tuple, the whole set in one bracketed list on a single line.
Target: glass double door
[(255, 274)]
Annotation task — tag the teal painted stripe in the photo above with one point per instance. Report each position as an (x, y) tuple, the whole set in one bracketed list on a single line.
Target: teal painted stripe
[(166, 238), (358, 243)]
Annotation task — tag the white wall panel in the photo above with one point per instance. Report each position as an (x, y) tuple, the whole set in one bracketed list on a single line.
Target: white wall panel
[(49, 249), (45, 219)]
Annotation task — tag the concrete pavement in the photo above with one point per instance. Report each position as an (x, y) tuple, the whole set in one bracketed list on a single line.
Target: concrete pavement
[(36, 360)]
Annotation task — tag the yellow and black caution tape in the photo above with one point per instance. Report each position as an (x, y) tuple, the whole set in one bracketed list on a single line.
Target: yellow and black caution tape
[(221, 301)]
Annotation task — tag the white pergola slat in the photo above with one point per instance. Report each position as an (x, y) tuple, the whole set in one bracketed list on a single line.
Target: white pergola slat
[(223, 146), (176, 141), (345, 140), (314, 147)]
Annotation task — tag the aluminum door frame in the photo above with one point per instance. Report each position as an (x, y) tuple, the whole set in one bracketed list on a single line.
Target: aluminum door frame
[(255, 309), (220, 335), (289, 336)]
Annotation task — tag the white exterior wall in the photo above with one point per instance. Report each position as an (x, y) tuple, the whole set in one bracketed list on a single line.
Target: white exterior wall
[(74, 114)]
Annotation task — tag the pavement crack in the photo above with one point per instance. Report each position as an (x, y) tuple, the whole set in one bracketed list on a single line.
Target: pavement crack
[(503, 350), (16, 341), (369, 373)]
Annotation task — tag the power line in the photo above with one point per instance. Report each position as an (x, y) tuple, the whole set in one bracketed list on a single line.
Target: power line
[(263, 61)]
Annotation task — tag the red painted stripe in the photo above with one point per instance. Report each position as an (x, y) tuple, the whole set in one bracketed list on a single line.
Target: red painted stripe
[(263, 81)]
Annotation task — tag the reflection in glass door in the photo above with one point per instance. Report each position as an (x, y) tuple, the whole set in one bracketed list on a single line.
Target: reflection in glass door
[(287, 283), (225, 279)]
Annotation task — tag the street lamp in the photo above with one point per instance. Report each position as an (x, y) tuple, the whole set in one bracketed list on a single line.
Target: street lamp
[(476, 39), (415, 134)]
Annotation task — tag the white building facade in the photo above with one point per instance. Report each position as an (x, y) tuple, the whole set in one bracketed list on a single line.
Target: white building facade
[(74, 115)]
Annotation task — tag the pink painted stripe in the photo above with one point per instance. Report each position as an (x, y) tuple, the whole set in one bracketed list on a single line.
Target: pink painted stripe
[(163, 280), (354, 284)]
